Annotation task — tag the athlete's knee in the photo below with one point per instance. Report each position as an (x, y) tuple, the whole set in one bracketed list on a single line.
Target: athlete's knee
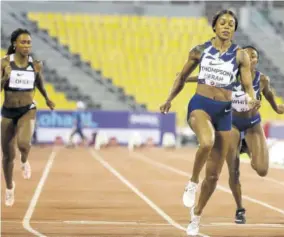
[(260, 167), (261, 170), (212, 179), (8, 156), (8, 152), (212, 176), (24, 145), (206, 144)]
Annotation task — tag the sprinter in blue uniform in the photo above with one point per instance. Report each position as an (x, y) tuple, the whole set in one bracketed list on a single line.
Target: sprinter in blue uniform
[(209, 110), (247, 125), (248, 135)]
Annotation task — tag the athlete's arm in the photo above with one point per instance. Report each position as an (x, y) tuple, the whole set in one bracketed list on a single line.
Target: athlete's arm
[(246, 78), (188, 68), (269, 94), (190, 79), (40, 84), (5, 72)]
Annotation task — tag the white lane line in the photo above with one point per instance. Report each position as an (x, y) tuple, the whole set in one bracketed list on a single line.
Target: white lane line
[(33, 203), (165, 216), (220, 187)]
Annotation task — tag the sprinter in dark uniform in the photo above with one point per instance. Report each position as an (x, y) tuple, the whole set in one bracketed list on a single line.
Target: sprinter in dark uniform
[(248, 131), (20, 75)]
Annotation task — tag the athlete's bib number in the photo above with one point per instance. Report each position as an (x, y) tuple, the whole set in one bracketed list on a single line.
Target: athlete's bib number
[(22, 80)]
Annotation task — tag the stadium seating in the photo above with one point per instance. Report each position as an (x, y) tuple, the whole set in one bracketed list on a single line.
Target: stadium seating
[(141, 54), (58, 97)]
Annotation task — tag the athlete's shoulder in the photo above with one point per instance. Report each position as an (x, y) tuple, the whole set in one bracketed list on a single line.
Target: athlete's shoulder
[(5, 59), (240, 50), (197, 51), (198, 48), (38, 65), (263, 78)]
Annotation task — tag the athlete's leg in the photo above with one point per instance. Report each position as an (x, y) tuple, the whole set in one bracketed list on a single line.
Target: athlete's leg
[(233, 162), (8, 137), (25, 129), (233, 166), (213, 168), (257, 146), (200, 123)]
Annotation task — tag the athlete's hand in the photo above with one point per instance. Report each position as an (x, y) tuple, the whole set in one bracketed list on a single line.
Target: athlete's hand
[(50, 104), (280, 109), (164, 108), (253, 104)]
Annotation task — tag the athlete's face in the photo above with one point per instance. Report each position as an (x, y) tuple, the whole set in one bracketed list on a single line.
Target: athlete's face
[(225, 27), (23, 44), (253, 57)]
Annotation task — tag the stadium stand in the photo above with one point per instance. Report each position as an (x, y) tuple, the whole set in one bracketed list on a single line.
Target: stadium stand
[(66, 71), (140, 53)]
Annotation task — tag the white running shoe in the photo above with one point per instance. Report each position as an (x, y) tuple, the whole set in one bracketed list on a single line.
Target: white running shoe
[(189, 194), (26, 170), (193, 227), (10, 196)]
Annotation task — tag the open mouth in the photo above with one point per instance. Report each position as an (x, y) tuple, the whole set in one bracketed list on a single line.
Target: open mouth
[(226, 33)]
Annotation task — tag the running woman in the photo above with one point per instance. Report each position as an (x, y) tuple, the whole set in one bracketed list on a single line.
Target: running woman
[(248, 136), (209, 110), (20, 75)]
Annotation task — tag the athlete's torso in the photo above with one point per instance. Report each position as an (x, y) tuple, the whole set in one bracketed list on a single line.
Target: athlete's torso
[(19, 91), (218, 70), (239, 103)]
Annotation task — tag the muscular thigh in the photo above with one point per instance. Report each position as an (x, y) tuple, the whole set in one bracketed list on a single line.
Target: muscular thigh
[(26, 124), (200, 123), (219, 151), (256, 141), (8, 132)]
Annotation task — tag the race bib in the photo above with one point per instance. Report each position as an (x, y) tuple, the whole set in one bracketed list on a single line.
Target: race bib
[(22, 80)]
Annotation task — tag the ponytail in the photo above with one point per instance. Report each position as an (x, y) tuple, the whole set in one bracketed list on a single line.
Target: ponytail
[(11, 50)]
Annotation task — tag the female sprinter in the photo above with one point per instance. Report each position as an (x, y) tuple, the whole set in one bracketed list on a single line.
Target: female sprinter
[(209, 110), (20, 74), (249, 123)]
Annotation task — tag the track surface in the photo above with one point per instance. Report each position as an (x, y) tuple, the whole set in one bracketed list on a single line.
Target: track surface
[(117, 193)]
